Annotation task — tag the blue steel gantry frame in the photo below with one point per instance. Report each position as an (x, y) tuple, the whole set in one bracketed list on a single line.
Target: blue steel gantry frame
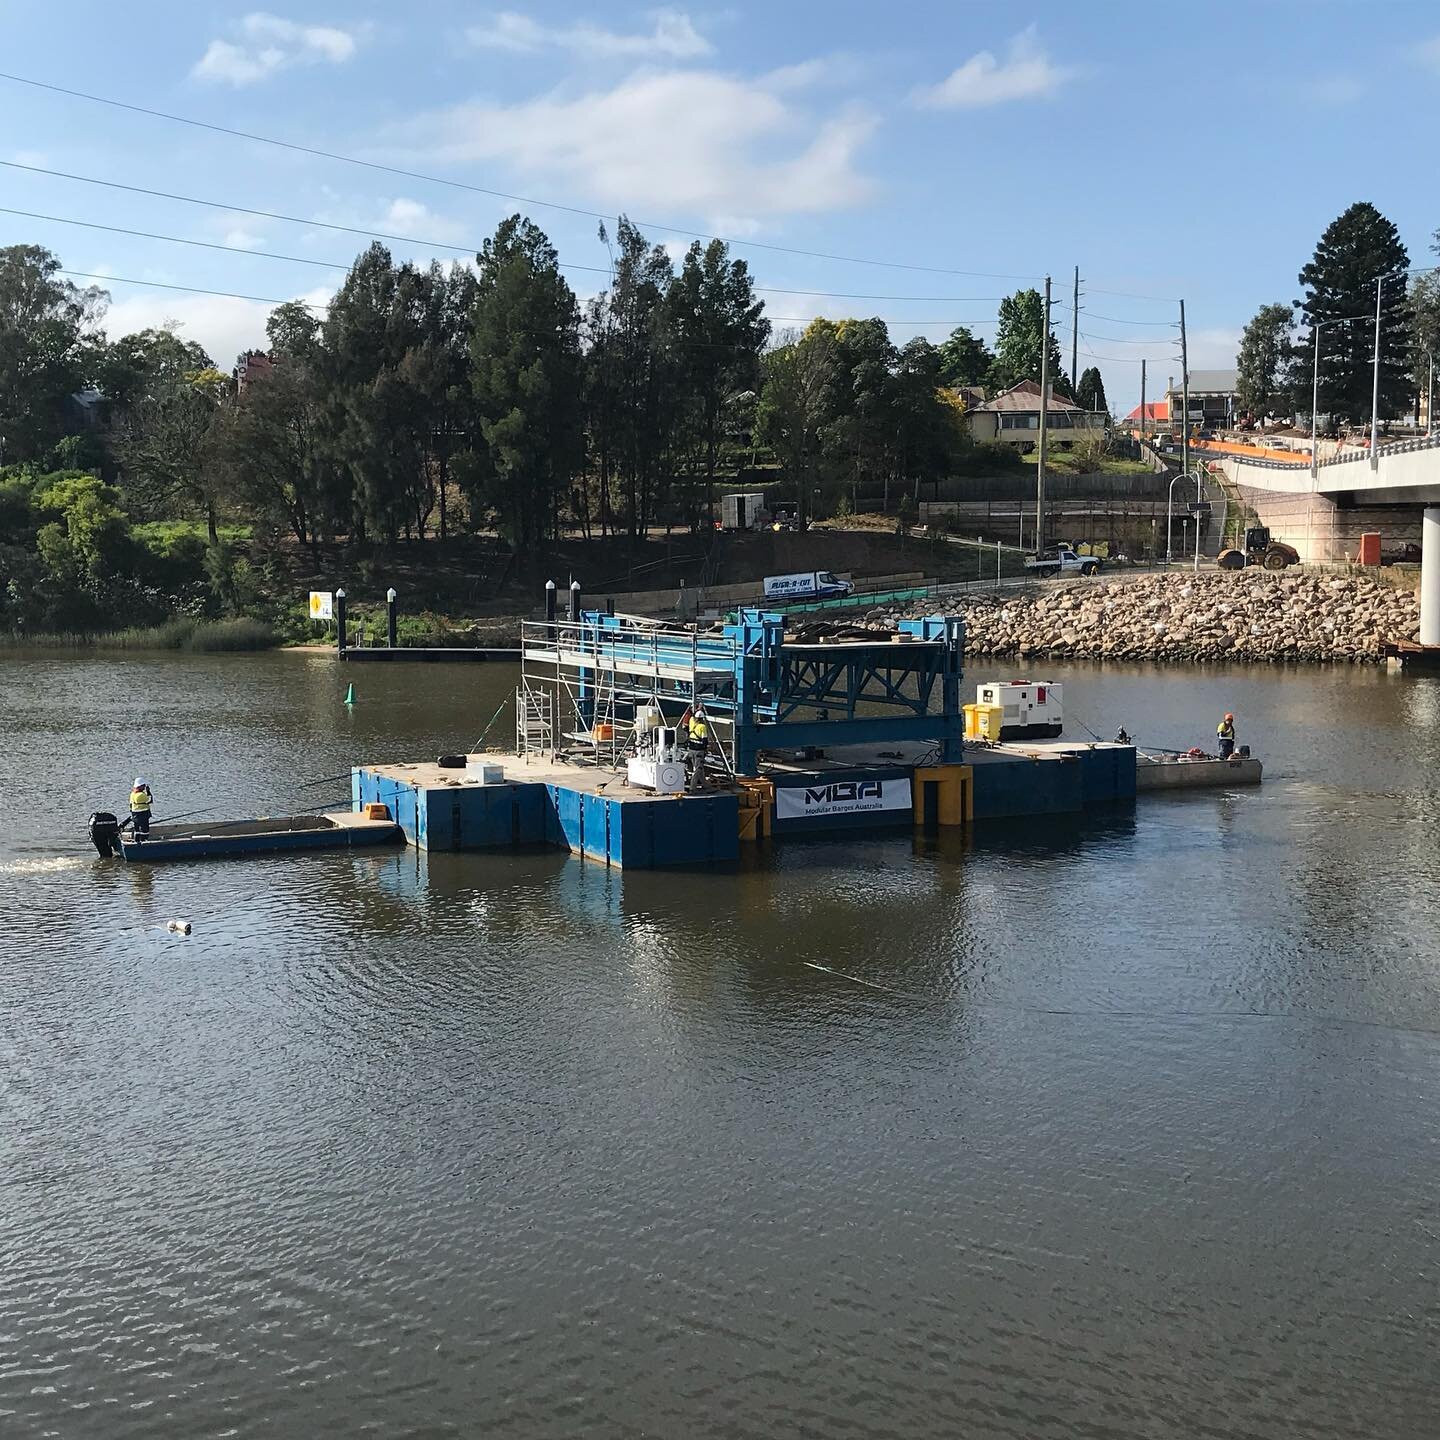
[(777, 694)]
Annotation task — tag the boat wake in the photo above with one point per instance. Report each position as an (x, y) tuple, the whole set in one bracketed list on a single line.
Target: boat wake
[(43, 864)]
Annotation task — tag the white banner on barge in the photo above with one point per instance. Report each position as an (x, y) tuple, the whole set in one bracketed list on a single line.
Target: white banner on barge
[(841, 797)]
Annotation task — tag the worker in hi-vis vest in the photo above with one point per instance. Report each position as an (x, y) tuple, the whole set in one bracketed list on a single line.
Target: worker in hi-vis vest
[(140, 802), (697, 738), (1225, 734)]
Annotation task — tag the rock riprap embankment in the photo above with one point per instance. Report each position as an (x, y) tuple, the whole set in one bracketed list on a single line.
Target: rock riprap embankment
[(1247, 615)]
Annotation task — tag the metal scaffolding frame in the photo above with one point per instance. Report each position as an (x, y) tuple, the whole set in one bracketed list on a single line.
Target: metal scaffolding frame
[(593, 675), (600, 669)]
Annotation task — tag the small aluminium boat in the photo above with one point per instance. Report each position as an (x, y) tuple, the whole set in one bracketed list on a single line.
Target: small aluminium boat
[(1169, 770), (335, 830)]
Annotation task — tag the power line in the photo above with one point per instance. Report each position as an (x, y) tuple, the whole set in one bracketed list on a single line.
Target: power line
[(1096, 290), (1114, 359), (1118, 319), (398, 239), (175, 239), (318, 305), (494, 194), (190, 289), (1129, 340)]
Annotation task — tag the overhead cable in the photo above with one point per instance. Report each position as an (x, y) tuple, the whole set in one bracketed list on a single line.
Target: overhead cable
[(483, 190)]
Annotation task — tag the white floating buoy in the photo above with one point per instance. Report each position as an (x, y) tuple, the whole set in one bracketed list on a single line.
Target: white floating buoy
[(179, 927)]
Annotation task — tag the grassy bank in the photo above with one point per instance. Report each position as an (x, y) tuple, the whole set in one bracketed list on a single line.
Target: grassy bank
[(193, 636)]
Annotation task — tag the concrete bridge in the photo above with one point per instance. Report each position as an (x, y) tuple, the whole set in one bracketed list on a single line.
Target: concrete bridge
[(1395, 493)]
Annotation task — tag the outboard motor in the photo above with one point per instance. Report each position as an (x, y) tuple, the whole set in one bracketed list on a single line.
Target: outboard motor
[(105, 833)]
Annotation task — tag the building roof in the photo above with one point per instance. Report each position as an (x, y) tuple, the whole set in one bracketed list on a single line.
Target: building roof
[(1154, 410), (1026, 396), (1210, 382)]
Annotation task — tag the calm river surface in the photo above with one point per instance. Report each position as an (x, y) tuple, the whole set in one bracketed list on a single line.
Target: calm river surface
[(1141, 1140)]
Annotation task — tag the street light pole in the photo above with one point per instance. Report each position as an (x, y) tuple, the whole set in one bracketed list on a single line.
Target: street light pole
[(1375, 383), (1199, 501), (1317, 326), (1044, 418), (1169, 509), (1185, 394)]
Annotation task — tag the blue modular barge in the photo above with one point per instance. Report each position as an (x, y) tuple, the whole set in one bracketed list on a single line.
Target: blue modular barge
[(807, 738)]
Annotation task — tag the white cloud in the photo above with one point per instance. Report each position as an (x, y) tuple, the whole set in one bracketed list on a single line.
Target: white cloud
[(1213, 349), (267, 44), (242, 239), (1329, 89), (695, 141), (674, 37), (224, 326), (411, 217), (1026, 73)]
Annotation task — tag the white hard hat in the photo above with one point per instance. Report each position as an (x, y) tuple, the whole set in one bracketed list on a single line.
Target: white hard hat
[(139, 782)]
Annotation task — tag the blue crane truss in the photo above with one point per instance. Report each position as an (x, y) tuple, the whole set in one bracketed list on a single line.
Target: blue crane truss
[(779, 694)]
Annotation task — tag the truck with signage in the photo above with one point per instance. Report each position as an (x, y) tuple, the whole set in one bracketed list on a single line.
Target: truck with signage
[(808, 585)]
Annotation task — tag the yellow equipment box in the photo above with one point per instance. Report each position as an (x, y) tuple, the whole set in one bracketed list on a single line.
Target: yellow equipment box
[(982, 722)]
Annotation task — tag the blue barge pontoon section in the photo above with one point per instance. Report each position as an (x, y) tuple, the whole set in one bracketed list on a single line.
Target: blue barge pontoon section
[(569, 809), (831, 736)]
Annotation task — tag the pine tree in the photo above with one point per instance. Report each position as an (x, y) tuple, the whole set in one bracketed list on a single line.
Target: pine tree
[(642, 364), (795, 404), (1262, 364), (1018, 345), (360, 344), (965, 359), (525, 377), (862, 426), (1356, 250), (1090, 393), (720, 328)]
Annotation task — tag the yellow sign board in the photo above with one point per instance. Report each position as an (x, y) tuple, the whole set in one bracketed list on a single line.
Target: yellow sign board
[(322, 605)]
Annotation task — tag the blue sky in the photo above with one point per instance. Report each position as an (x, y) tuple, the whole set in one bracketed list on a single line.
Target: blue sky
[(1189, 151)]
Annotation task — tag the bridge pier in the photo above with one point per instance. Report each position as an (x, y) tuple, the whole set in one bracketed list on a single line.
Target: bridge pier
[(1430, 576)]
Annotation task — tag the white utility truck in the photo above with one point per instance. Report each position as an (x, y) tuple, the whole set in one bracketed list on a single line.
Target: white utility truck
[(1063, 561)]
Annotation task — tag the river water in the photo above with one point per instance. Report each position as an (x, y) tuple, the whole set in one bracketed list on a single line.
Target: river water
[(1139, 1140)]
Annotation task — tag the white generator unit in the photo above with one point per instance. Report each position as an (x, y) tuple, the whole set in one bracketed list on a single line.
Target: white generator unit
[(1032, 709), (658, 766), (664, 777)]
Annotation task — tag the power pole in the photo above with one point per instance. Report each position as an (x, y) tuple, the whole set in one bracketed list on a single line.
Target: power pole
[(1044, 420), (1142, 401), (1075, 339), (1375, 382), (1185, 433), (1184, 396)]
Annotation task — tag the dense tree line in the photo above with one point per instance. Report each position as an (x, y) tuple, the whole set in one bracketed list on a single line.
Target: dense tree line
[(1359, 251), (431, 400)]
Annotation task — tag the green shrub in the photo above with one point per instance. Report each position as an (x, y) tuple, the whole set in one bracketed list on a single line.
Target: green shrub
[(182, 633), (236, 634)]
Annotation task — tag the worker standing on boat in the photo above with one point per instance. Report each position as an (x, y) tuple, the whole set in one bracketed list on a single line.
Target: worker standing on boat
[(140, 802), (697, 738), (1225, 734)]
